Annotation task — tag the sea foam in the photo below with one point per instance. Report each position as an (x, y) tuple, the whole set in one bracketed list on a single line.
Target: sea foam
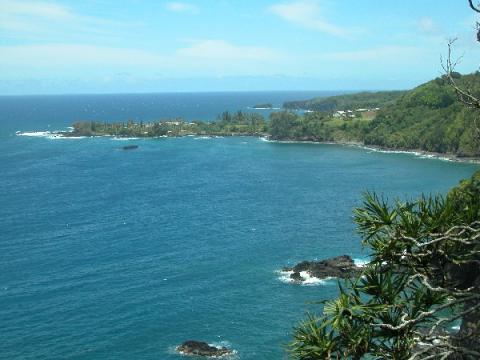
[(419, 154), (232, 356), (54, 135), (33, 133), (361, 262), (284, 276)]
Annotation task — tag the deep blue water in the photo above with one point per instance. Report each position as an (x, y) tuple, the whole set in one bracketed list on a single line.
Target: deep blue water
[(111, 254), (38, 112)]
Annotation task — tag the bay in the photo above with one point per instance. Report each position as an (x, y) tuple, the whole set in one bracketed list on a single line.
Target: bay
[(112, 254)]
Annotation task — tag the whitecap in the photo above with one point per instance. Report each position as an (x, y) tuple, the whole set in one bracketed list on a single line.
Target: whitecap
[(53, 135), (34, 133), (58, 136), (284, 276), (311, 280)]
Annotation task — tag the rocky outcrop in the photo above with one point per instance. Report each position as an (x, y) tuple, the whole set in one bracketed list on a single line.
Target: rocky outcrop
[(130, 147), (339, 267), (199, 348), (263, 106)]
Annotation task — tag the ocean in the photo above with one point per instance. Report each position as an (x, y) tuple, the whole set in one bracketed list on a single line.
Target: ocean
[(112, 254)]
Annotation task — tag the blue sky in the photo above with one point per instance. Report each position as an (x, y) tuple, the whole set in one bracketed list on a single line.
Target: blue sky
[(102, 46)]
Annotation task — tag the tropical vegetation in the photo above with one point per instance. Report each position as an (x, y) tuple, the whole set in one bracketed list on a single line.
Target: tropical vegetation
[(227, 124), (365, 99), (426, 118)]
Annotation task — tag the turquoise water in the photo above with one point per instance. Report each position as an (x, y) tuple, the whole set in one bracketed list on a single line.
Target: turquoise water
[(111, 254)]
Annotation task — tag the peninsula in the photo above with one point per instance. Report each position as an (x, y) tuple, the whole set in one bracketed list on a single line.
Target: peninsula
[(227, 124), (427, 118)]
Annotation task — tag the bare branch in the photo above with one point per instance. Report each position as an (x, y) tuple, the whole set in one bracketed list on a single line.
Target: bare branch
[(465, 96), (426, 314), (474, 8)]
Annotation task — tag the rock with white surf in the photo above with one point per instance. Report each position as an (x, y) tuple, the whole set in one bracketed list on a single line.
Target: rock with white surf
[(200, 348), (337, 267)]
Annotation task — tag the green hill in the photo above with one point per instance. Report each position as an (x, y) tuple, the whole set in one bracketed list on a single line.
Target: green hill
[(430, 118), (360, 100)]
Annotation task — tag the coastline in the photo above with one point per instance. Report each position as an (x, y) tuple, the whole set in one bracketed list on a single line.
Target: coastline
[(265, 137), (375, 148)]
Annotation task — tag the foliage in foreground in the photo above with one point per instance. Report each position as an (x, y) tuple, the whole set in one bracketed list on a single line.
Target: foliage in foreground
[(423, 278)]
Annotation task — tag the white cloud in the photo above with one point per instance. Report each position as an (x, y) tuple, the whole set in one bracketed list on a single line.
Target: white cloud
[(40, 9), (211, 56), (181, 7), (46, 19), (71, 55), (31, 16), (308, 14), (427, 26), (219, 50), (391, 53)]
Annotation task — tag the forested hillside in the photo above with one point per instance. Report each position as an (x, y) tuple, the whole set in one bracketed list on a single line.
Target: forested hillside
[(365, 100), (428, 118)]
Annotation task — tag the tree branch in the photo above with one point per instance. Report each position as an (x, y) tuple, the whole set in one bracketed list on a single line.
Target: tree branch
[(474, 8)]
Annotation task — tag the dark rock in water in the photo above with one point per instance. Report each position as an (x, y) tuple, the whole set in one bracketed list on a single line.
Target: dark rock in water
[(199, 348), (263, 106), (129, 147), (339, 267), (297, 277)]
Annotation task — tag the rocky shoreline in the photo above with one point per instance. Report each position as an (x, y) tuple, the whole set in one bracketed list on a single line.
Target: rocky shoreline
[(376, 148)]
